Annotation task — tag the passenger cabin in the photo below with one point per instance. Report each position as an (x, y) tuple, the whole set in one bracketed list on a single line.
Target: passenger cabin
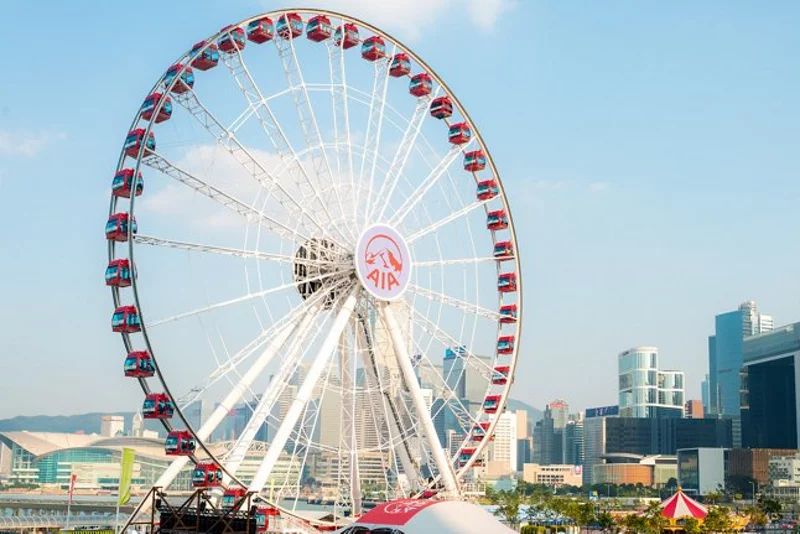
[(206, 475), (122, 184), (508, 313), (118, 273), (507, 283), (497, 220), (420, 85), (261, 30), (500, 375), (289, 26), (441, 107), (505, 345), (117, 227), (232, 40), (207, 59), (149, 107), (460, 133), (133, 143), (180, 443), (139, 364), (464, 455), (373, 48), (319, 28), (184, 84), (479, 432), (400, 66), (346, 36), (503, 250), (474, 161), (157, 406), (492, 403), (126, 320), (487, 189), (232, 496)]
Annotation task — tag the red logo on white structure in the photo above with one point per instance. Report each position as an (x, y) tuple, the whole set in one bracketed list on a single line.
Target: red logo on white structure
[(383, 262)]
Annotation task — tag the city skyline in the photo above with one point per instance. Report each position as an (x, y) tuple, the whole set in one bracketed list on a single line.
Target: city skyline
[(631, 170)]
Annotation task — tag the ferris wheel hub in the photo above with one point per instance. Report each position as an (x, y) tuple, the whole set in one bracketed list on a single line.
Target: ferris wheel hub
[(320, 265), (383, 262)]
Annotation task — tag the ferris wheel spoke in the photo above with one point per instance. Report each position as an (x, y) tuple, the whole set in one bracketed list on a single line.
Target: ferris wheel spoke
[(448, 342), (457, 261), (424, 416), (275, 133), (160, 164), (247, 298), (261, 412), (452, 301), (228, 140), (430, 181), (227, 251), (404, 149), (377, 105), (308, 122), (304, 393), (448, 219)]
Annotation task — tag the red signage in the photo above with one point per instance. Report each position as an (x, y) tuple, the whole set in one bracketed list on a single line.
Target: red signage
[(395, 513)]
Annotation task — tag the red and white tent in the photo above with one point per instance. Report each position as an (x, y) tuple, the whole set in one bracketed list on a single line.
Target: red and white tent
[(680, 506)]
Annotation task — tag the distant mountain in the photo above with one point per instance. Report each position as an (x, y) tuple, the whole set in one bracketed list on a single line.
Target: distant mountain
[(533, 413), (88, 423)]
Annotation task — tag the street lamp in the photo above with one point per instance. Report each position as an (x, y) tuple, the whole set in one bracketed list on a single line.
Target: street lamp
[(753, 489)]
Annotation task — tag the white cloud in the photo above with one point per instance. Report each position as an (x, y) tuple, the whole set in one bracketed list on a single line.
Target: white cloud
[(26, 143), (597, 187), (409, 19)]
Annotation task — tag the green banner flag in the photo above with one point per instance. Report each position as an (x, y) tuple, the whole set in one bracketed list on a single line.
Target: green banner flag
[(125, 475)]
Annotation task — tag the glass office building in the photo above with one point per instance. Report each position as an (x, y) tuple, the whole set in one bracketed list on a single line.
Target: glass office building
[(646, 391)]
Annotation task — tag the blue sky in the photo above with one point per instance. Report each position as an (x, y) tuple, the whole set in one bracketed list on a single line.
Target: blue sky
[(649, 150)]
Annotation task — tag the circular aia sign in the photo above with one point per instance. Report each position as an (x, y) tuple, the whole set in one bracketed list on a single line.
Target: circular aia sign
[(383, 262)]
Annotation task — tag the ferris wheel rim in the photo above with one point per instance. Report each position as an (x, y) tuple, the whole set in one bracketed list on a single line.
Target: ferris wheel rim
[(457, 104)]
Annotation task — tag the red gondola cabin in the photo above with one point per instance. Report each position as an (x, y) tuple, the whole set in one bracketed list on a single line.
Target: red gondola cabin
[(261, 30), (503, 250), (117, 227), (157, 406), (505, 345), (479, 432), (207, 59), (487, 189), (118, 273), (491, 403), (442, 107), (133, 143), (319, 28), (508, 313), (289, 25), (420, 85), (206, 476), (346, 36), (180, 443), (474, 161), (122, 184), (149, 107), (373, 48), (126, 320), (232, 496), (237, 497), (232, 40), (139, 364), (459, 134), (184, 84), (500, 375), (464, 455), (497, 220), (401, 65), (507, 283)]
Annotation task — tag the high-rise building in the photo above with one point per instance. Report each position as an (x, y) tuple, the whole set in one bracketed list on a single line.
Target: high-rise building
[(770, 389), (694, 409), (725, 360), (112, 425), (648, 436), (137, 425), (646, 391), (504, 446), (594, 438), (572, 443), (560, 413), (704, 395), (196, 413), (547, 437)]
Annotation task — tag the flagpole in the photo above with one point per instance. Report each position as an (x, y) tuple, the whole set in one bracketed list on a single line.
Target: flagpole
[(69, 501)]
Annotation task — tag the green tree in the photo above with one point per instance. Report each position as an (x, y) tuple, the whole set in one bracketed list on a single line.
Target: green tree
[(714, 497), (606, 522), (718, 520), (692, 526), (757, 515), (508, 505), (771, 507)]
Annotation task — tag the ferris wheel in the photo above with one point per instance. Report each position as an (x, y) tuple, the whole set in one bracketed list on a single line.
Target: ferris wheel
[(324, 263)]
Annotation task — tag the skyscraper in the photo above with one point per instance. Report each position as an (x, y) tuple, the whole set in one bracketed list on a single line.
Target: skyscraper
[(560, 412), (646, 391), (725, 360), (504, 446), (547, 437), (594, 438), (572, 443)]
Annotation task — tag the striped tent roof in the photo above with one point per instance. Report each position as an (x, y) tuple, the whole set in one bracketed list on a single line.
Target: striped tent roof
[(681, 506)]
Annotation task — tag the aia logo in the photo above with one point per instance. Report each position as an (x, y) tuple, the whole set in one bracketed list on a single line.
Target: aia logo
[(383, 262)]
